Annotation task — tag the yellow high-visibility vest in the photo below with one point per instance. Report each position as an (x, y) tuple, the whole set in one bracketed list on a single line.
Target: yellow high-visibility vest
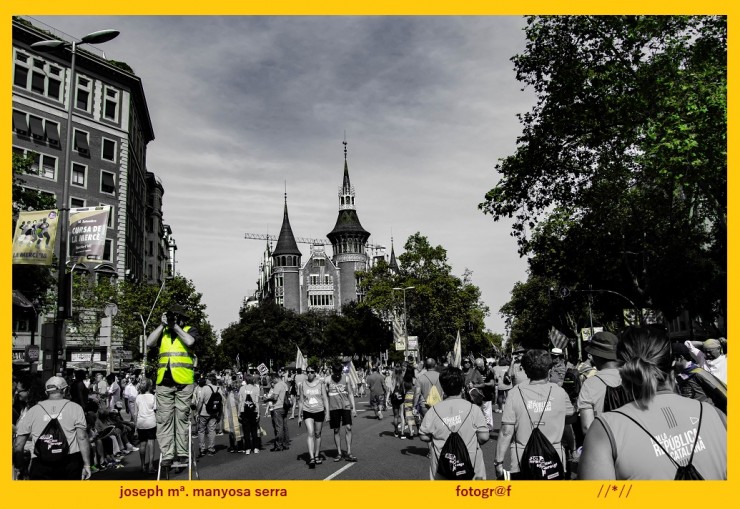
[(177, 355)]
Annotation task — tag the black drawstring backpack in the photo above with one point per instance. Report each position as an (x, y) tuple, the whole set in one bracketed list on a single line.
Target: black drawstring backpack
[(540, 460), (454, 460)]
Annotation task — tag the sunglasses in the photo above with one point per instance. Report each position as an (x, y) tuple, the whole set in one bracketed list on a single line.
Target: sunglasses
[(310, 372)]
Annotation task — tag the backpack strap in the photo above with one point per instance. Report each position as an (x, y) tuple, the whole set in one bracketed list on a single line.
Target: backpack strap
[(58, 413), (543, 409), (696, 439), (445, 424)]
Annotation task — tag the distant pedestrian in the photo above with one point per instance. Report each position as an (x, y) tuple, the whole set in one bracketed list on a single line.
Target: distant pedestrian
[(277, 396), (376, 385), (206, 420), (313, 408), (409, 410), (249, 402), (144, 408), (340, 393)]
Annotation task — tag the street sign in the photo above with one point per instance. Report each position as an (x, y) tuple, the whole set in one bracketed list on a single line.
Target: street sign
[(32, 353), (263, 370), (413, 342), (105, 331)]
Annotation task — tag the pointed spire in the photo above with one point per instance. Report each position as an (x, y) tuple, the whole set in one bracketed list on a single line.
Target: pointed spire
[(286, 243), (393, 264), (346, 186)]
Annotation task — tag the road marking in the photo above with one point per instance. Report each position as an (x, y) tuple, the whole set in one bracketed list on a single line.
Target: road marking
[(345, 467)]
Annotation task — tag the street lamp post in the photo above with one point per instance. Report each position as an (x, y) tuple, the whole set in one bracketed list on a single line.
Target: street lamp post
[(142, 343), (405, 323), (62, 311)]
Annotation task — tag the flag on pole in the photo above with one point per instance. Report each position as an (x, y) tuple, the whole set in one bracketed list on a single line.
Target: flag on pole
[(352, 374), (457, 352), (557, 338), (300, 360), (238, 364)]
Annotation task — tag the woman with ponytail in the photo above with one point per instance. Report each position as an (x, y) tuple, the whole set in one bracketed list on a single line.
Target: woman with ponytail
[(660, 431)]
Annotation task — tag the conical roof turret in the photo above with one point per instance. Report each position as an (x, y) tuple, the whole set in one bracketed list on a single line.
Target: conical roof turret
[(286, 244)]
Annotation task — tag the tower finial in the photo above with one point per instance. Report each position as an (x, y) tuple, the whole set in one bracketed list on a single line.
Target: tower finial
[(286, 191), (345, 145)]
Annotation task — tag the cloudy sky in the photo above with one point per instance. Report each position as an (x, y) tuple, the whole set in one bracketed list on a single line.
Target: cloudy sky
[(243, 106)]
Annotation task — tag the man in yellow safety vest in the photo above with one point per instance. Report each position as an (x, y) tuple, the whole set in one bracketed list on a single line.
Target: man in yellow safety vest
[(175, 383)]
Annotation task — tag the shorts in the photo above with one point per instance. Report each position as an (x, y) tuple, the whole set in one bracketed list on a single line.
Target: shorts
[(147, 434), (316, 416), (377, 401), (338, 418)]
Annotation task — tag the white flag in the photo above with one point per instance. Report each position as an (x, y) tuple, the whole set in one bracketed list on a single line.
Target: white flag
[(300, 360), (457, 352)]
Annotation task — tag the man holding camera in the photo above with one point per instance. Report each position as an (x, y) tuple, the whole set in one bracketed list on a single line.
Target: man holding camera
[(175, 379)]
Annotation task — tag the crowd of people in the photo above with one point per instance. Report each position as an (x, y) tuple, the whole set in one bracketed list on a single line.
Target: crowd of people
[(639, 407)]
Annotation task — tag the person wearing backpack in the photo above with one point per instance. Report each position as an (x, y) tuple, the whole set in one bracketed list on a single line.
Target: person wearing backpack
[(428, 391), (58, 430), (660, 435), (602, 352), (278, 396), (532, 423), (455, 429), (209, 409)]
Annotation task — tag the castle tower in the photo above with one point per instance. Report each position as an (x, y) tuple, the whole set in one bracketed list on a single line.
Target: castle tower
[(286, 261), (348, 240)]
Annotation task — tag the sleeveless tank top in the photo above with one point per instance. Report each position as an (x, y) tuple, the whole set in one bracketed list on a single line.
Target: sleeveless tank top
[(312, 399), (673, 421), (338, 393)]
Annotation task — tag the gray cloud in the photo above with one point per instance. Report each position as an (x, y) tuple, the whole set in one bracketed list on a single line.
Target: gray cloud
[(242, 105)]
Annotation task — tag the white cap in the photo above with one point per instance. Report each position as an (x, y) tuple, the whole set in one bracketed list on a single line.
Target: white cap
[(556, 351)]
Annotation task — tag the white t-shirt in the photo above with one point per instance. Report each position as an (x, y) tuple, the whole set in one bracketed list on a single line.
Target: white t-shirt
[(146, 404)]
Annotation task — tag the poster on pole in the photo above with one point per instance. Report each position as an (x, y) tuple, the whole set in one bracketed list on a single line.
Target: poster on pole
[(87, 229), (34, 237), (262, 369), (587, 332), (399, 338)]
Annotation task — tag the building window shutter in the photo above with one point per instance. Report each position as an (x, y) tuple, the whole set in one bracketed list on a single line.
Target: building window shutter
[(37, 128), (52, 133), (20, 123), (81, 142)]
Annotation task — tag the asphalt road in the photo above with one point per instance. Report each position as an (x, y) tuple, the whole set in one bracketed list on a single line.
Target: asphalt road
[(381, 456)]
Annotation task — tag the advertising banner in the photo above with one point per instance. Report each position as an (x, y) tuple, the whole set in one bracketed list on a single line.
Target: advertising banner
[(33, 240), (399, 338), (87, 229)]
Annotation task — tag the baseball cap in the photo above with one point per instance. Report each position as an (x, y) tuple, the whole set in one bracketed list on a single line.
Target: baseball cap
[(56, 383), (556, 351), (603, 344), (520, 350), (712, 344)]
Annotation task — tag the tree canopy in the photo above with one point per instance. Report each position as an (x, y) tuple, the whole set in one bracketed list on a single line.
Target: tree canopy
[(619, 178), (439, 304)]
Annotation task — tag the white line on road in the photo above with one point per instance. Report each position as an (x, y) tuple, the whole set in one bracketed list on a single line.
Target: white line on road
[(345, 467)]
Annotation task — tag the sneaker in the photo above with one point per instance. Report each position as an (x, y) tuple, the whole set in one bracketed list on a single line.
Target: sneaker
[(403, 437), (247, 451), (220, 434), (132, 448), (201, 454), (180, 463), (166, 463), (211, 452), (94, 469), (380, 414)]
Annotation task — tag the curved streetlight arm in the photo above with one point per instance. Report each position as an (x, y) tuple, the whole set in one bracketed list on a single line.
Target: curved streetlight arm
[(637, 310)]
